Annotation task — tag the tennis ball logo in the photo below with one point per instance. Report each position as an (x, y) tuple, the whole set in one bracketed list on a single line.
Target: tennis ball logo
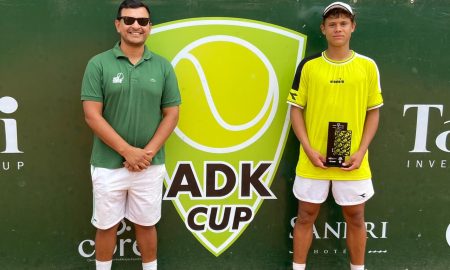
[(233, 125), (230, 93)]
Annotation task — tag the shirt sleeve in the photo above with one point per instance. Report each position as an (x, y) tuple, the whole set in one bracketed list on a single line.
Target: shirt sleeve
[(299, 90), (91, 87), (375, 99), (171, 93)]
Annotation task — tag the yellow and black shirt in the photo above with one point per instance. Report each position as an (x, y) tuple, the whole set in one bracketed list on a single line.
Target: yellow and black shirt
[(335, 91)]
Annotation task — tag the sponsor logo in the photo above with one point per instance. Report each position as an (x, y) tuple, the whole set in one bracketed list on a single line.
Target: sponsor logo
[(119, 78), (338, 230), (337, 81), (9, 143), (125, 250), (426, 140), (9, 105), (293, 95), (222, 158)]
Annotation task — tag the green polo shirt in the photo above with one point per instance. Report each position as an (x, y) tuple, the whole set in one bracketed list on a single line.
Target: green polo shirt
[(133, 97)]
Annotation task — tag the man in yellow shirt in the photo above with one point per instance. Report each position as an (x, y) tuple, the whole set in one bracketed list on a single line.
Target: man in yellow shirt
[(335, 98)]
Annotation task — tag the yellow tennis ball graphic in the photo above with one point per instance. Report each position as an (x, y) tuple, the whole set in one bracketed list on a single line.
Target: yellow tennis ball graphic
[(229, 91)]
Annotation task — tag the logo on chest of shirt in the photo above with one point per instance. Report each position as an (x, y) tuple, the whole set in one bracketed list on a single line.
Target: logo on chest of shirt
[(339, 80), (119, 78)]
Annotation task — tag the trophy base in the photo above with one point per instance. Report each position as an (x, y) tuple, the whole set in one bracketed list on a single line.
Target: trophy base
[(335, 162)]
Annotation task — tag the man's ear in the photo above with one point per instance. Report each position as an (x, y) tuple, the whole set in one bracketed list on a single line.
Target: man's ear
[(117, 24)]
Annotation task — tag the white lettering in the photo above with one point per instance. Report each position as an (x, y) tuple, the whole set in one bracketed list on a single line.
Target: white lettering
[(431, 162), (441, 140), (420, 144), (316, 234), (370, 230), (328, 228), (10, 165), (328, 251), (87, 247), (135, 249), (11, 136), (447, 235), (340, 231), (20, 164), (345, 230), (122, 243), (122, 227), (83, 252), (426, 163), (9, 105), (293, 220), (419, 164), (5, 165), (384, 230)]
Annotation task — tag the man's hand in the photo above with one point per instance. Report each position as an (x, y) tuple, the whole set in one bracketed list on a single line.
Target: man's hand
[(354, 161), (137, 159), (316, 158)]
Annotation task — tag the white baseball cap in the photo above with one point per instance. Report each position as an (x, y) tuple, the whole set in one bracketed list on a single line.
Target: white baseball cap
[(335, 5)]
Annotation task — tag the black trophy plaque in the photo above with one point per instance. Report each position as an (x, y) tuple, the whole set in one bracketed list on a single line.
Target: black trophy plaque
[(339, 144)]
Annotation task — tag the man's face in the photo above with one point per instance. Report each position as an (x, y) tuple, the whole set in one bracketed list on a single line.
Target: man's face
[(338, 30), (134, 34)]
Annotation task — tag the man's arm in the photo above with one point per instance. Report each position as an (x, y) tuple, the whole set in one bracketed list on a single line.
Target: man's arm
[(298, 125), (165, 128), (136, 158), (370, 128)]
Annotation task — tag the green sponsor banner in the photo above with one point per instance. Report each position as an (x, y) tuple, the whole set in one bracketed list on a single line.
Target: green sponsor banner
[(231, 164)]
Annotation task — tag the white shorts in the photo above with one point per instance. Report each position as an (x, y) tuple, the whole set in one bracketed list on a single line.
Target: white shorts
[(344, 192), (119, 193)]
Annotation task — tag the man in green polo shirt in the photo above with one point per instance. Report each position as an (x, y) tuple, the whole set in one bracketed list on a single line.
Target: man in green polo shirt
[(130, 100)]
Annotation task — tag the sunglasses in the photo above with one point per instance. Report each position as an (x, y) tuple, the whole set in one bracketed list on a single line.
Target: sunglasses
[(131, 20)]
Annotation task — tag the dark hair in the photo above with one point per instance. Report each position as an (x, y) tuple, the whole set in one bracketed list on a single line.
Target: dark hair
[(338, 12), (131, 4)]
